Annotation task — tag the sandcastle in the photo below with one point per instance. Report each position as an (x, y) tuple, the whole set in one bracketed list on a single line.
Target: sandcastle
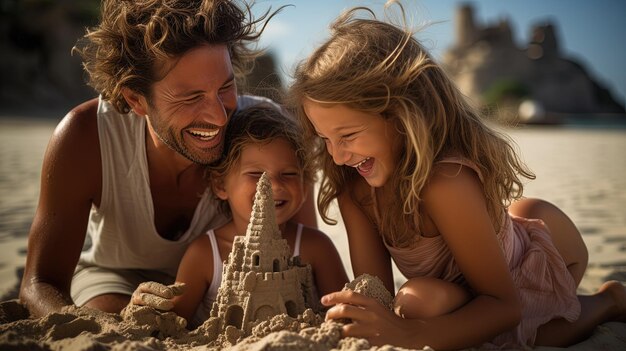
[(260, 279)]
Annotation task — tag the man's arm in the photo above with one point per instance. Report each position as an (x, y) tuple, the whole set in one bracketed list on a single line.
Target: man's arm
[(70, 181)]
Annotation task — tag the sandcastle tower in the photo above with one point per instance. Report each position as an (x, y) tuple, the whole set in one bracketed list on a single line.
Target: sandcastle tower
[(259, 279)]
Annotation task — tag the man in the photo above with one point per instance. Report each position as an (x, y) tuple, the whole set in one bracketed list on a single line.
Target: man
[(128, 168)]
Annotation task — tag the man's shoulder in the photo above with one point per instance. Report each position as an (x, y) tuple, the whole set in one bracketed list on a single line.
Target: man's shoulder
[(87, 109), (80, 120)]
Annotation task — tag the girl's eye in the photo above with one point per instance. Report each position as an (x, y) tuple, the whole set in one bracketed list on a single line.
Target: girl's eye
[(255, 174), (290, 174), (349, 137)]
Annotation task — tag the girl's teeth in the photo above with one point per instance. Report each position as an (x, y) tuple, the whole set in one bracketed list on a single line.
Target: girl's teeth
[(362, 162)]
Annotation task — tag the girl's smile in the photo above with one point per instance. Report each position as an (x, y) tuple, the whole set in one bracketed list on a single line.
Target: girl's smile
[(363, 140)]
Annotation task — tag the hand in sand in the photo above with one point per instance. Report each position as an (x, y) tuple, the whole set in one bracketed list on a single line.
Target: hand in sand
[(370, 319), (156, 295)]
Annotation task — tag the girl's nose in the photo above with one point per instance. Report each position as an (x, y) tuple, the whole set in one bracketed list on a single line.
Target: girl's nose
[(340, 155), (277, 183)]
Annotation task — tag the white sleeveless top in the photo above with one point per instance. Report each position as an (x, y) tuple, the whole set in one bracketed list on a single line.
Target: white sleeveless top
[(204, 309), (121, 229)]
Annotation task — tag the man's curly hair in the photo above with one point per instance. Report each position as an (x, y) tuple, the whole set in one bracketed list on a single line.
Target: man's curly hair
[(136, 37)]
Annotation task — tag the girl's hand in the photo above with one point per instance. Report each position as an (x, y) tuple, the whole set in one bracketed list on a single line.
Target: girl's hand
[(370, 319)]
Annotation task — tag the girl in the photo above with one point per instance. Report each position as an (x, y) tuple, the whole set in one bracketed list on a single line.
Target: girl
[(258, 139), (419, 178)]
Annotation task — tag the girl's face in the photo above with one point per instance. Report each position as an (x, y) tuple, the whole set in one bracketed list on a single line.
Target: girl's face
[(357, 139), (278, 159)]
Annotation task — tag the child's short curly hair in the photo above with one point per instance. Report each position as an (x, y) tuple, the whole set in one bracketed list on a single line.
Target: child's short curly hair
[(258, 125)]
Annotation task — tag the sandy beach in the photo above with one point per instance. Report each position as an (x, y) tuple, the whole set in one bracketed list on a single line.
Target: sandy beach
[(580, 169)]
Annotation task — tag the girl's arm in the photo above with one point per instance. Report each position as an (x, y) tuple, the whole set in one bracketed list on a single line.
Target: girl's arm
[(455, 203), (320, 252), (196, 271), (368, 254)]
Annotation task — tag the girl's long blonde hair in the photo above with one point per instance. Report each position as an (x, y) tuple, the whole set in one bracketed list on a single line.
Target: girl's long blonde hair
[(378, 67)]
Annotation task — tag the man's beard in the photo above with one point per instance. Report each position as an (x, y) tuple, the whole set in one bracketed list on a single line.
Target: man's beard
[(167, 136)]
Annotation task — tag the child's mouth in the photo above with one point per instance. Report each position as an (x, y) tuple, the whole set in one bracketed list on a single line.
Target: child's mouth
[(364, 166)]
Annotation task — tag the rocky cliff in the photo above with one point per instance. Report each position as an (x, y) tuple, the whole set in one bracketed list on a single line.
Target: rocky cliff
[(492, 70)]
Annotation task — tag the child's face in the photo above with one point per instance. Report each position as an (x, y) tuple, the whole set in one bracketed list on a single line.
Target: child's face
[(278, 159), (357, 139)]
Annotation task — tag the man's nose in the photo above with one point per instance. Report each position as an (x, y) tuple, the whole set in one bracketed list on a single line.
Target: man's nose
[(214, 111)]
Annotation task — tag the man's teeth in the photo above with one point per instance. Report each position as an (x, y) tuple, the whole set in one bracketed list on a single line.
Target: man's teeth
[(204, 134)]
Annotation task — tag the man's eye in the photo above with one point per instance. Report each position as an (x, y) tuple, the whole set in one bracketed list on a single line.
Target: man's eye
[(227, 87), (193, 99)]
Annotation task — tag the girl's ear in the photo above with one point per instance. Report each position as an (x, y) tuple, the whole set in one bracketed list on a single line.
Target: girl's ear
[(136, 101), (218, 188)]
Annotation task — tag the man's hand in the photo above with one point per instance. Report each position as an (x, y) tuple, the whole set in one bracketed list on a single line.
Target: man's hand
[(156, 295)]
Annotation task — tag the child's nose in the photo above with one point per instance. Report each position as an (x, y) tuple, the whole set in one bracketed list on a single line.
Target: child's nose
[(277, 183), (340, 156)]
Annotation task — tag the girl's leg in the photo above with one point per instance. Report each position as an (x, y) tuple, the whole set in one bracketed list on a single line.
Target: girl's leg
[(609, 303), (425, 297), (565, 235)]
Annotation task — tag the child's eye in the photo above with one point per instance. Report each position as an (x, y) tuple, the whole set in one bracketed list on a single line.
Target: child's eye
[(255, 174), (349, 137), (290, 174)]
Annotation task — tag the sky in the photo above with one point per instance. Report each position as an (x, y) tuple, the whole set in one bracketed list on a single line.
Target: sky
[(590, 32)]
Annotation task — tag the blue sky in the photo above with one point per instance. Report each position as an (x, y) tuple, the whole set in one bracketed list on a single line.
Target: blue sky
[(591, 32)]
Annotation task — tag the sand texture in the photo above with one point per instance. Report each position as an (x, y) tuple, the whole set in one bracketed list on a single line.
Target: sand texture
[(145, 328)]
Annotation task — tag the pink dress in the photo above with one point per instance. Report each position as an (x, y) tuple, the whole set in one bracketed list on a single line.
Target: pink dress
[(546, 288)]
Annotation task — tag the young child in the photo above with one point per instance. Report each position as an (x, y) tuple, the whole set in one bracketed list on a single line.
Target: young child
[(420, 179), (258, 139)]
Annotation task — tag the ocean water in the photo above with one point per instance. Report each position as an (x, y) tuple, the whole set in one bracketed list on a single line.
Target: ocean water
[(581, 169)]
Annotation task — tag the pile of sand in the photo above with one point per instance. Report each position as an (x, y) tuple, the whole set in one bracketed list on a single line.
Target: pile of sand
[(145, 328)]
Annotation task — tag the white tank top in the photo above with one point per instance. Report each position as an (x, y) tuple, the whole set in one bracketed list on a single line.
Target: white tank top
[(204, 309), (121, 230)]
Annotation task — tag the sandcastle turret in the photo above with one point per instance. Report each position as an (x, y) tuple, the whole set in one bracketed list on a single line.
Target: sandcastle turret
[(260, 279)]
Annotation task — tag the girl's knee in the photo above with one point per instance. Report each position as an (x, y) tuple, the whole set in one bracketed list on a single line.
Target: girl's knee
[(428, 297)]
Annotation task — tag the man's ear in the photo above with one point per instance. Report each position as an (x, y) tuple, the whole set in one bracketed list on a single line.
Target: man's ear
[(217, 184), (136, 101)]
